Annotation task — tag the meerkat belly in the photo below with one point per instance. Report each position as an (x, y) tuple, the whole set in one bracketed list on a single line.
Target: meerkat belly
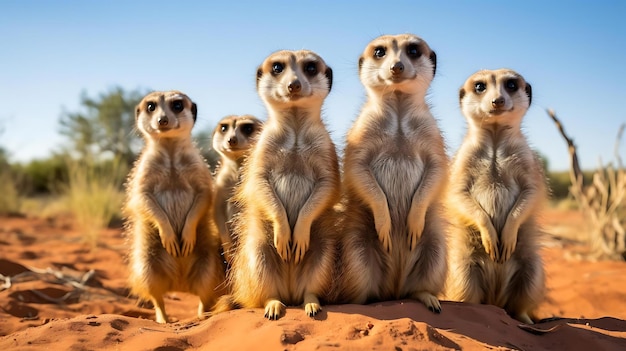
[(176, 203), (293, 185), (496, 192), (398, 175)]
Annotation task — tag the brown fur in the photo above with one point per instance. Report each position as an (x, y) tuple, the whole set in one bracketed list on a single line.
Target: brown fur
[(174, 246), (496, 189), (290, 182), (395, 169), (233, 138)]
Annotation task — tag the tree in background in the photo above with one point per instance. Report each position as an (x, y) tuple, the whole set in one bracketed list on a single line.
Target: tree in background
[(105, 126)]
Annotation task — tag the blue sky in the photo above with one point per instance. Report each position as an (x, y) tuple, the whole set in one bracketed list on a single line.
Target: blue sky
[(573, 53)]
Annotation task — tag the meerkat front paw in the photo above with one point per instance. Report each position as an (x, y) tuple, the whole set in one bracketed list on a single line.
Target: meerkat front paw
[(508, 241), (282, 241), (311, 305), (169, 241), (415, 222), (301, 239), (188, 239), (489, 238), (273, 309), (429, 300), (383, 228)]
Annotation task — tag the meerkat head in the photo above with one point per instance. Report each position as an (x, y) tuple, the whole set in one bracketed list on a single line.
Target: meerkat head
[(402, 62), (495, 96), (294, 79), (166, 114), (234, 135)]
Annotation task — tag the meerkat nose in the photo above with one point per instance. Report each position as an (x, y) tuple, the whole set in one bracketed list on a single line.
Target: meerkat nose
[(498, 102), (397, 68), (232, 141), (295, 86), (163, 120)]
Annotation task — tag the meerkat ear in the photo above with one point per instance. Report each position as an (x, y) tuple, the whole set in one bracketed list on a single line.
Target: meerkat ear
[(433, 59), (360, 63), (194, 111), (259, 74), (137, 111), (329, 76), (461, 94), (529, 92)]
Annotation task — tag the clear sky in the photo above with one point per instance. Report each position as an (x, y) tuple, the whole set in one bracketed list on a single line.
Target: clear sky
[(572, 52)]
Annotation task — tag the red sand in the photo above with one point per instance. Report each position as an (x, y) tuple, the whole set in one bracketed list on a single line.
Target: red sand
[(82, 303)]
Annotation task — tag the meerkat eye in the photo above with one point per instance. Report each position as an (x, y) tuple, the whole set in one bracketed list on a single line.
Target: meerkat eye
[(223, 128), (277, 68), (511, 85), (310, 68), (247, 129), (177, 105), (413, 51), (151, 106), (379, 52), (479, 87)]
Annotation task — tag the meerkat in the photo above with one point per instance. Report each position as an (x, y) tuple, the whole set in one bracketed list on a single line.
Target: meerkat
[(395, 167), (232, 139), (496, 189), (174, 246), (290, 181)]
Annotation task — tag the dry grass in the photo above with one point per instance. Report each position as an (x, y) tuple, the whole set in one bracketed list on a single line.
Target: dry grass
[(10, 199), (93, 195)]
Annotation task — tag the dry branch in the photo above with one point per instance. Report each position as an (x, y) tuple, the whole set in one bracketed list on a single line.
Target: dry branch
[(602, 202)]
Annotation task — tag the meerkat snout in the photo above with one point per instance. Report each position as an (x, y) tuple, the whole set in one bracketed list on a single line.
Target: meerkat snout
[(397, 68)]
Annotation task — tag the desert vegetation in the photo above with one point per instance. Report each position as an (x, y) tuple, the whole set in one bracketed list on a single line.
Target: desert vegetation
[(602, 200)]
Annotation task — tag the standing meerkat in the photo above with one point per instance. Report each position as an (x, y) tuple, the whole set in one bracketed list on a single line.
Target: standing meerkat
[(285, 254), (174, 246), (395, 170), (496, 188), (233, 138)]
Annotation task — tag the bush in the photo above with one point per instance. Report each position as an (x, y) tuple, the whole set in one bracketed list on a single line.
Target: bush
[(10, 199), (559, 183), (94, 194)]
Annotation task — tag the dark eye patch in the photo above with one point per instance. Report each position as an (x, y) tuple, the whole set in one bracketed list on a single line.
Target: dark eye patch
[(511, 85), (150, 106), (310, 68), (379, 52), (480, 87), (277, 68), (247, 128), (413, 51), (223, 127), (177, 106)]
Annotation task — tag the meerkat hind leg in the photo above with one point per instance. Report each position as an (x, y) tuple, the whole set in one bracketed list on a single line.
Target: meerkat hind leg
[(159, 308), (204, 306)]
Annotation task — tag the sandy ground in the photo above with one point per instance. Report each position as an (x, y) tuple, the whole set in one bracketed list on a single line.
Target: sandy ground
[(58, 292)]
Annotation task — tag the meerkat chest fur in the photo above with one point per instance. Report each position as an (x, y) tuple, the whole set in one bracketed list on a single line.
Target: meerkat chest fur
[(294, 149), (297, 144), (495, 179), (498, 161), (173, 173), (395, 134), (401, 133)]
